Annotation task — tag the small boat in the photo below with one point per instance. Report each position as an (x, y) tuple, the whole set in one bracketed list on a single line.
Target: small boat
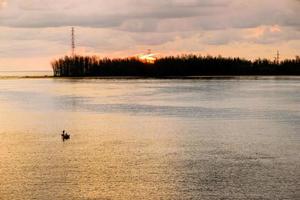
[(65, 136)]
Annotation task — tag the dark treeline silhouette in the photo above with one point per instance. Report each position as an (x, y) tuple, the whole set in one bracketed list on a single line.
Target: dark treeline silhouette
[(187, 65)]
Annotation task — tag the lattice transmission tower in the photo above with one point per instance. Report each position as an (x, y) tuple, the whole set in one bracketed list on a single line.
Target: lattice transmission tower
[(73, 41)]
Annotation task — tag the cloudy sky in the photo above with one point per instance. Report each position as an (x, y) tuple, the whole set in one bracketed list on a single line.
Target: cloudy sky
[(34, 32)]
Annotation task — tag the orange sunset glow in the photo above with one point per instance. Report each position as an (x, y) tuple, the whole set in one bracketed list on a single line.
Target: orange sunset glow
[(150, 100), (33, 32)]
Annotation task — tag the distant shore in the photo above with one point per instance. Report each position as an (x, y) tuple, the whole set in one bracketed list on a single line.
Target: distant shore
[(244, 77), (25, 74), (168, 67)]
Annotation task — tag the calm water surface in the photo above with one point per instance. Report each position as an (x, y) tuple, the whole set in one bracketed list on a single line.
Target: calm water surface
[(150, 139)]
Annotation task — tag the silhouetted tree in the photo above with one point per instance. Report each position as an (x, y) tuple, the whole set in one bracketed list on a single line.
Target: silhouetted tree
[(185, 65)]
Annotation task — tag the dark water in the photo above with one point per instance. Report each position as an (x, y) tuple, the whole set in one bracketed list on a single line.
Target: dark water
[(150, 139)]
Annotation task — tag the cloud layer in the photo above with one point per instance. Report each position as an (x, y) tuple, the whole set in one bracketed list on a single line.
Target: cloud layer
[(125, 27), (133, 15)]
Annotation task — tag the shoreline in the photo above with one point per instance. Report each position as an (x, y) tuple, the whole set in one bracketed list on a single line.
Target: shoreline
[(217, 77)]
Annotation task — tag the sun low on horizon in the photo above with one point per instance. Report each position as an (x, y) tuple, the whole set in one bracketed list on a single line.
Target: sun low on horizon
[(149, 99), (35, 32)]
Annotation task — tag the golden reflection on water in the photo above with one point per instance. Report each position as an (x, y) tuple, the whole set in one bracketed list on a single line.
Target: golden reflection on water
[(137, 139), (111, 156)]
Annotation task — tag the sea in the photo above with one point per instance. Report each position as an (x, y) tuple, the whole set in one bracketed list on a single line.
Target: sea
[(193, 138)]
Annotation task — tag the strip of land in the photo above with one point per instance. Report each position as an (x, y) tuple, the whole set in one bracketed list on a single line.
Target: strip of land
[(179, 66)]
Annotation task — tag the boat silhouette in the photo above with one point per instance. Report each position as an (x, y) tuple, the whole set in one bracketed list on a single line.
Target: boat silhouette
[(65, 135)]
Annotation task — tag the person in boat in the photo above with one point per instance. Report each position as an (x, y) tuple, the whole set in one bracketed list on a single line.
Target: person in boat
[(63, 133)]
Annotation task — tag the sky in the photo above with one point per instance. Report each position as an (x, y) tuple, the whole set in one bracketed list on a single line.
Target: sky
[(35, 32)]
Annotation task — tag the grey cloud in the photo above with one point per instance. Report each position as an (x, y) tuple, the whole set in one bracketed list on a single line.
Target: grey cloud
[(266, 35), (132, 24), (35, 13), (151, 16)]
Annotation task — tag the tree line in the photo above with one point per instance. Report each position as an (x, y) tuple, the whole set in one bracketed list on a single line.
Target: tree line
[(185, 65)]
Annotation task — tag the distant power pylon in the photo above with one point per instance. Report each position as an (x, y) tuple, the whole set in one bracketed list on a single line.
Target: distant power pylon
[(73, 41), (277, 59)]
